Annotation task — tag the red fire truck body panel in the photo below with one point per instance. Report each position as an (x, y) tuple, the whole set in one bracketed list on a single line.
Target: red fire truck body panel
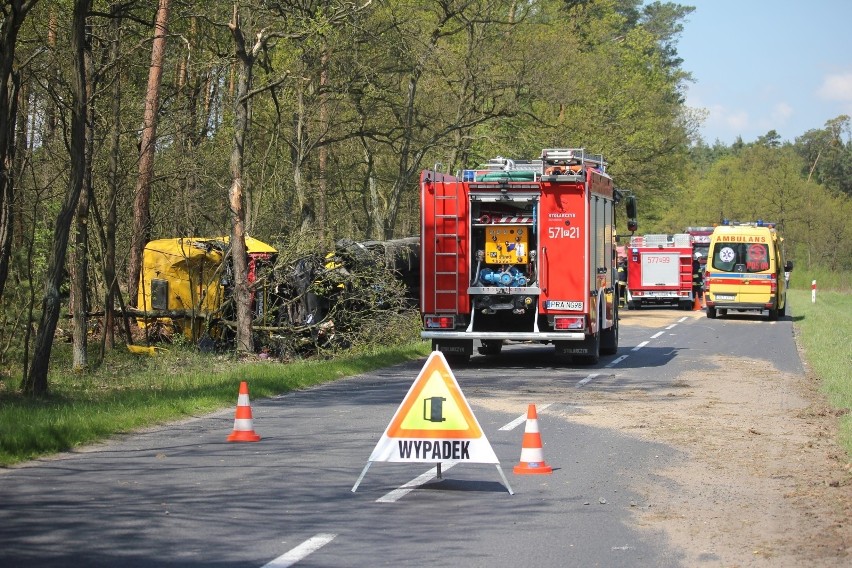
[(520, 252), (659, 271)]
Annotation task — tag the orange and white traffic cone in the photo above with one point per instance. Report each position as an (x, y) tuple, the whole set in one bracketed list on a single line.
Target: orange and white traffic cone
[(696, 303), (243, 426), (532, 453)]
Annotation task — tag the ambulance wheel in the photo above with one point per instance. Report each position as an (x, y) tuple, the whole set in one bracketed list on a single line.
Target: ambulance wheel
[(711, 313), (491, 347), (773, 314), (609, 339)]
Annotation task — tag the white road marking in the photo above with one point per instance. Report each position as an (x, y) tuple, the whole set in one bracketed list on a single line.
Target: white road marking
[(404, 490), (300, 552), (640, 346), (522, 418), (587, 379), (683, 319), (615, 362), (658, 334), (672, 326)]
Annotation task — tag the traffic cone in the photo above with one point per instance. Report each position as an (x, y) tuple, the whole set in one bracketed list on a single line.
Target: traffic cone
[(243, 427), (696, 303), (532, 454)]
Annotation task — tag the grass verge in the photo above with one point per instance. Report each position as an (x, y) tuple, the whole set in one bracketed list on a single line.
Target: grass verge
[(130, 392), (825, 331)]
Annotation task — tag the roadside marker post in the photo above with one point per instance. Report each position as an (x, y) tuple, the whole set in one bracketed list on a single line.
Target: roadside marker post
[(813, 291)]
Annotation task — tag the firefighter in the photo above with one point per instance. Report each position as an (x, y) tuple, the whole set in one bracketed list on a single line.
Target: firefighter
[(622, 282), (697, 279)]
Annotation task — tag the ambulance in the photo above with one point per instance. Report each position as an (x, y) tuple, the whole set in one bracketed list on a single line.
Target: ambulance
[(745, 270)]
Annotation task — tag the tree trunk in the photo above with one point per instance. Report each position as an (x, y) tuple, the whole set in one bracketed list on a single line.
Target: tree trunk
[(236, 197), (110, 276), (80, 284), (141, 205), (322, 187), (14, 12), (35, 383)]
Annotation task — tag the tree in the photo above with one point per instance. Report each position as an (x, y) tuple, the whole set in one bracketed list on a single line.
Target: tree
[(141, 205), (14, 13), (828, 154), (35, 383)]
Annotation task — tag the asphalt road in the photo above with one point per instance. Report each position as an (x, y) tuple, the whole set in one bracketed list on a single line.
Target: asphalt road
[(180, 495)]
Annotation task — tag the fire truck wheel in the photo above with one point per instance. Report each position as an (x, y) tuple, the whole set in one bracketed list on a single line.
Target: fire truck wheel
[(492, 347), (609, 339), (631, 305), (711, 313)]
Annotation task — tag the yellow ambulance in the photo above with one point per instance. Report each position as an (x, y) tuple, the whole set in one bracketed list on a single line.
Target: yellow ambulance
[(745, 270)]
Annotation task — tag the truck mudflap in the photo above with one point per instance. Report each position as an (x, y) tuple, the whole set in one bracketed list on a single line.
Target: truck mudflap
[(508, 336)]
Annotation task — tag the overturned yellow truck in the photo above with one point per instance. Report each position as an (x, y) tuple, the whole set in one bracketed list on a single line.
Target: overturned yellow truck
[(187, 283)]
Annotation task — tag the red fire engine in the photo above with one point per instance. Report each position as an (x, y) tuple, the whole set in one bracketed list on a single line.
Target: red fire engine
[(700, 241), (521, 251), (659, 271)]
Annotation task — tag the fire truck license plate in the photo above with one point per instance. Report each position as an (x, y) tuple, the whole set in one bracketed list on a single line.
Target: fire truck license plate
[(563, 305)]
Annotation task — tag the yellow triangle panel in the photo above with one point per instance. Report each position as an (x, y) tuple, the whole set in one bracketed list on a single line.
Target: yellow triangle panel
[(434, 407)]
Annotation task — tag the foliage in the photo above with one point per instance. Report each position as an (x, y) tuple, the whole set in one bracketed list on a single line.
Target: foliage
[(763, 180)]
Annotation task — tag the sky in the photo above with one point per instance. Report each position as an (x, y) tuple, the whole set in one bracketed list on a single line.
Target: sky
[(761, 65)]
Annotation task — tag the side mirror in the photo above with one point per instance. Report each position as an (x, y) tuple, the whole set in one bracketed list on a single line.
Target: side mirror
[(632, 225), (631, 207)]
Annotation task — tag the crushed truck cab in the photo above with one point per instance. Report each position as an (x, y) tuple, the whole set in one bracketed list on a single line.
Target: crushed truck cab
[(520, 250)]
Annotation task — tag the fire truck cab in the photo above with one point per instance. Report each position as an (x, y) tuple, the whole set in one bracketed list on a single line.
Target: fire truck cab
[(521, 251)]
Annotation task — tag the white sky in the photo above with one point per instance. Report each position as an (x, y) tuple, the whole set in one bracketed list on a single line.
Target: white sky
[(760, 65)]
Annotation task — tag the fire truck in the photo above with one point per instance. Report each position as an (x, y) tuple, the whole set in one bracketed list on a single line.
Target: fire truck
[(700, 242), (659, 271), (523, 251)]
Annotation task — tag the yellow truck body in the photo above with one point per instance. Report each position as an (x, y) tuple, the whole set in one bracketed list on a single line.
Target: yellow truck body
[(187, 274)]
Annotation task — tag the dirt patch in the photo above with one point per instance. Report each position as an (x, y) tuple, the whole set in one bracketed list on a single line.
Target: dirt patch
[(764, 484)]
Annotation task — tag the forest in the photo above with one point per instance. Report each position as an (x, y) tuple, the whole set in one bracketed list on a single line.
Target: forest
[(303, 122)]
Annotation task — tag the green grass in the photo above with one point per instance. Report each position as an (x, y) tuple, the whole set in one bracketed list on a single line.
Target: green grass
[(130, 392), (825, 329)]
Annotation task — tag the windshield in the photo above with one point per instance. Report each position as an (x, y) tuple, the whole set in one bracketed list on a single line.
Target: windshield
[(741, 257)]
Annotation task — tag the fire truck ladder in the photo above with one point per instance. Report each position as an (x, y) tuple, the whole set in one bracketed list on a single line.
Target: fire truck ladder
[(446, 246)]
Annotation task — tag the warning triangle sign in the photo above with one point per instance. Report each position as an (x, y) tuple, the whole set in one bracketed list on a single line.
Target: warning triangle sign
[(434, 422)]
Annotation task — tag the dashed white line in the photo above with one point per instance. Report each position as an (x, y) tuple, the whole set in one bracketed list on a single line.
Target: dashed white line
[(404, 490), (672, 326), (683, 319), (588, 379), (521, 419), (658, 334), (615, 362), (640, 346), (300, 552)]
